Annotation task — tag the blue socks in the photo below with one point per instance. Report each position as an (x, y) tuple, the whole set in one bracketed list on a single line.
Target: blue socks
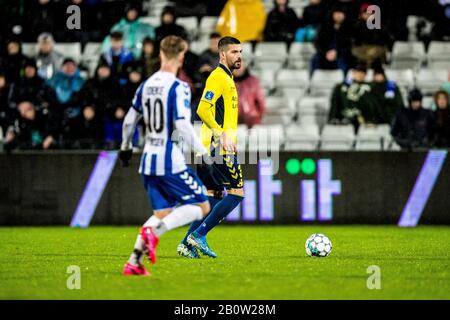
[(219, 212), (194, 225)]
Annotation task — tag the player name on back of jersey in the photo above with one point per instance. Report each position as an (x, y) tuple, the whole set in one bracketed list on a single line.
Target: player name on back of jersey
[(155, 90)]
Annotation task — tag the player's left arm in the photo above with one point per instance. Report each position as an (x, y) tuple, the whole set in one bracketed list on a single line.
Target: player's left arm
[(129, 125)]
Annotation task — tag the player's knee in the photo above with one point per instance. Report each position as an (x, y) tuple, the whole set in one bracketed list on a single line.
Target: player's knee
[(206, 207), (161, 214)]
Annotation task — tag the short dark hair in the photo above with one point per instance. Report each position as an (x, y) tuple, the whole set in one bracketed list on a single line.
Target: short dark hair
[(116, 35), (225, 41)]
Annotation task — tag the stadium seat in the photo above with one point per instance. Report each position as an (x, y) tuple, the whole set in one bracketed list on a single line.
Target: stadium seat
[(302, 137), (270, 52), (300, 55), (247, 53), (190, 24), (313, 110), (373, 138), (323, 81), (70, 50), (337, 137), (404, 78), (427, 102), (292, 83), (207, 25), (429, 80), (154, 21), (29, 49), (438, 55), (279, 110), (407, 55), (265, 138), (266, 78), (242, 137), (199, 46)]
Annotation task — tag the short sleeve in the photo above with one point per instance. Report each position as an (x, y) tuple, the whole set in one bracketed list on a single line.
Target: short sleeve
[(183, 101), (137, 100)]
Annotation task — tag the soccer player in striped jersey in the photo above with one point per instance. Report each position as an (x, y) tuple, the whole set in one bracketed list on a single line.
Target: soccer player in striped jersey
[(177, 195)]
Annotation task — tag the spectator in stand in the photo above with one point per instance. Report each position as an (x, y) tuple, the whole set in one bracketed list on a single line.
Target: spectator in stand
[(134, 80), (387, 94), (281, 23), (243, 19), (209, 59), (333, 43), (118, 58), (13, 61), (86, 131), (190, 63), (251, 101), (414, 127), (442, 116), (67, 82), (134, 31), (352, 101), (48, 60), (6, 112), (370, 44), (113, 128), (168, 26), (32, 88), (32, 129), (313, 16), (149, 60), (102, 91)]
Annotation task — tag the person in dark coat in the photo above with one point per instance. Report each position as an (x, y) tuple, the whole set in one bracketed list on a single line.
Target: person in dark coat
[(442, 115), (414, 127), (281, 23)]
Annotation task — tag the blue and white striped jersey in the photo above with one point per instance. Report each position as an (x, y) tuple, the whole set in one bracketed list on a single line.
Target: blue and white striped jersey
[(162, 100)]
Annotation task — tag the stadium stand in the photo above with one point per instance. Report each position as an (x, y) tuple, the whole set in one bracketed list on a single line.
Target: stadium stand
[(297, 102)]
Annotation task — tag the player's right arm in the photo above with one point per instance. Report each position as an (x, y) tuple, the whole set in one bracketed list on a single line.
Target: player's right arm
[(213, 90), (129, 125)]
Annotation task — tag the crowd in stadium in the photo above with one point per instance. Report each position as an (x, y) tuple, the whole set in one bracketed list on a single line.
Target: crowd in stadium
[(53, 99)]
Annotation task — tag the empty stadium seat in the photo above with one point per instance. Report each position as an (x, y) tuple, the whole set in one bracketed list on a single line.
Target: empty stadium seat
[(198, 47), (29, 49), (323, 81), (292, 83), (404, 78), (302, 137), (373, 138), (313, 110), (247, 53), (407, 55), (154, 21), (266, 78), (439, 55), (300, 55), (208, 25), (70, 50), (337, 137), (265, 138), (190, 24), (429, 80), (279, 110), (270, 52)]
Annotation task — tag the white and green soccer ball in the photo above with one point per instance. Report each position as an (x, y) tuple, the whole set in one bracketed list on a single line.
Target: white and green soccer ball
[(318, 245)]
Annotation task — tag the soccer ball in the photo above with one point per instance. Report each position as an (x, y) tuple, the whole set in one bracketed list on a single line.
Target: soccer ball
[(318, 245)]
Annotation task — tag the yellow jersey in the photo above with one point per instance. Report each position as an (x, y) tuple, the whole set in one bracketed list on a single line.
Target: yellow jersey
[(218, 107)]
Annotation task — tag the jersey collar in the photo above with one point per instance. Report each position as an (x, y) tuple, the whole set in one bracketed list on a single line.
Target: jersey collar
[(226, 70)]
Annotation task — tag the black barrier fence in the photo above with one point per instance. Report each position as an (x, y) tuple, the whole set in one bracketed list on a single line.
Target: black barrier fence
[(406, 188)]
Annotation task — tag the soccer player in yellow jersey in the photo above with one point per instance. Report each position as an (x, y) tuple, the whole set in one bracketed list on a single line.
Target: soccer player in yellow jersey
[(218, 110)]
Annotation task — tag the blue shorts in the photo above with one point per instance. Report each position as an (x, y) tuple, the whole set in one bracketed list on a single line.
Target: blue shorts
[(219, 176), (171, 190)]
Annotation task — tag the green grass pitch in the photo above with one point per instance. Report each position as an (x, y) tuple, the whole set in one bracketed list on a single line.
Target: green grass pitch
[(255, 262)]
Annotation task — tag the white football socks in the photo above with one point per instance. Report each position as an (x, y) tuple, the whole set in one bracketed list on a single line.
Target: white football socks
[(182, 216), (178, 217)]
